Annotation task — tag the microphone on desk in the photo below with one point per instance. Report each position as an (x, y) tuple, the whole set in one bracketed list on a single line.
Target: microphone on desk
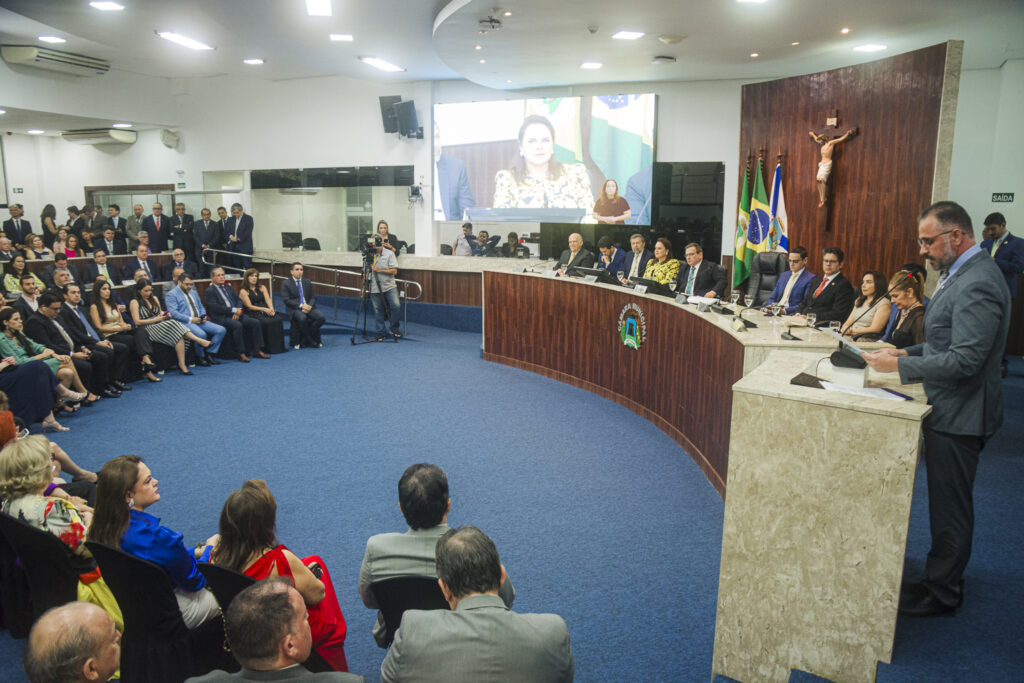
[(789, 336), (738, 323), (844, 357)]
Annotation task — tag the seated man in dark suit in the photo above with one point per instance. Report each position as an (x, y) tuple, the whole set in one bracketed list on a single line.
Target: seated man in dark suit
[(268, 631), (831, 296), (75, 320), (792, 286), (7, 250), (612, 258), (28, 302), (225, 308), (575, 256), (636, 260), (110, 242), (141, 262), (43, 327), (480, 639), (424, 502), (60, 262), (179, 262), (699, 277), (300, 305), (74, 643), (99, 266)]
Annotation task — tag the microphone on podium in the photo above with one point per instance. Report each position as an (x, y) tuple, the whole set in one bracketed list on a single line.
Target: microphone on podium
[(844, 357)]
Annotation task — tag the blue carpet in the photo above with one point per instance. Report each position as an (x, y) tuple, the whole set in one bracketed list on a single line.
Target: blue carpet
[(598, 516)]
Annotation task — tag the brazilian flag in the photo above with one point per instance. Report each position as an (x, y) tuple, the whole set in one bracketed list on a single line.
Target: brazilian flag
[(760, 224), (740, 271)]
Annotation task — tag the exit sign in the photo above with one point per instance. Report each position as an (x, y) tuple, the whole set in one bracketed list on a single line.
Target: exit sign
[(1002, 197)]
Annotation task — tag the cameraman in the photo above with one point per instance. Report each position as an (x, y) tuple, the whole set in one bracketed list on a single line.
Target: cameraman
[(383, 290)]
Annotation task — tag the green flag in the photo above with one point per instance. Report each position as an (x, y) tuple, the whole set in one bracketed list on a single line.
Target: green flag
[(759, 222), (740, 271)]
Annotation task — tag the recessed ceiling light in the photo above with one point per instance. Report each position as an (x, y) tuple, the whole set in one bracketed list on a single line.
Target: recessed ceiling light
[(870, 47), (507, 13), (795, 43), (35, 131), (4, 111), (318, 8), (106, 6), (255, 61), (341, 37), (591, 65), (628, 35), (508, 81), (845, 30), (183, 40), (122, 125), (755, 54), (483, 61), (380, 64), (52, 39), (751, 1), (479, 47)]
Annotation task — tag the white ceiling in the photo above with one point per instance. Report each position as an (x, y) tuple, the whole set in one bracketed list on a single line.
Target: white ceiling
[(542, 43)]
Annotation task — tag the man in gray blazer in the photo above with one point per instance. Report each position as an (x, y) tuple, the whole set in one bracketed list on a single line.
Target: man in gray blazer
[(480, 639), (268, 630), (423, 500), (965, 327)]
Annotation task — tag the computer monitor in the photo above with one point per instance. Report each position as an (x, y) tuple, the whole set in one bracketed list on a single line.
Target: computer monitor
[(291, 240), (601, 274), (653, 287)]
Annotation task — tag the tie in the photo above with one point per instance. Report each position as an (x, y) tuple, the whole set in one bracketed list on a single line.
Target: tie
[(88, 327), (156, 222), (942, 279), (224, 295), (110, 247), (636, 265), (302, 297), (104, 273), (145, 267), (192, 305), (824, 281), (689, 281), (71, 344), (784, 301), (17, 227)]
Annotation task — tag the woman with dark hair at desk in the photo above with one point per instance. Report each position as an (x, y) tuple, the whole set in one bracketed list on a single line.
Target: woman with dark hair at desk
[(35, 249), (260, 305), (663, 269), (907, 295), (610, 207), (537, 180), (106, 318)]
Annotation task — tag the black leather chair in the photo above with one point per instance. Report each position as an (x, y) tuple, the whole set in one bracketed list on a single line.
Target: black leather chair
[(156, 645), (311, 244), (394, 596), (227, 583), (51, 579), (446, 250), (765, 271), (15, 605)]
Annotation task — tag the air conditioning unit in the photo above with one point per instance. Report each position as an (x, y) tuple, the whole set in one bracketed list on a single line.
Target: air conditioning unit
[(100, 136), (54, 60)]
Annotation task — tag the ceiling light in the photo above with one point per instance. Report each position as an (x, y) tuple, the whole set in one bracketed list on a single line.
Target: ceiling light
[(751, 1), (509, 81), (318, 8), (107, 6), (663, 59), (479, 47), (796, 43), (628, 35), (4, 111), (591, 65), (755, 54), (380, 64), (870, 47), (255, 61), (35, 131), (122, 125), (52, 39), (183, 40), (341, 37), (483, 61), (845, 30), (507, 13)]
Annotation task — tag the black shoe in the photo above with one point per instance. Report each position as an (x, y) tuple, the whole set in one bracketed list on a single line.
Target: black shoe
[(202, 362), (110, 392), (122, 386), (85, 403), (396, 334), (148, 367), (927, 606), (187, 374), (210, 360), (380, 338)]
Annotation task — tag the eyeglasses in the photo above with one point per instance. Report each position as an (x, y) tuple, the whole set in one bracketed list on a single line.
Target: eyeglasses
[(928, 241)]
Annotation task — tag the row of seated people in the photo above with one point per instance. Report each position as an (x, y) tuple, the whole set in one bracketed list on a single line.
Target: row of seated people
[(484, 244), (465, 644), (94, 350)]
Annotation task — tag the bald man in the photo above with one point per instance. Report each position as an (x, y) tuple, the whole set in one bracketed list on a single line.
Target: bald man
[(575, 256), (72, 643)]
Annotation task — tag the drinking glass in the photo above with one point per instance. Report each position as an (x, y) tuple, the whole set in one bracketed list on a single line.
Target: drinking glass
[(672, 285), (621, 275), (734, 297), (748, 300), (834, 325), (811, 319)]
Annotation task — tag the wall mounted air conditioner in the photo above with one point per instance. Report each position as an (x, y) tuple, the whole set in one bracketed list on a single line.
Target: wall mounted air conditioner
[(100, 136), (54, 60)]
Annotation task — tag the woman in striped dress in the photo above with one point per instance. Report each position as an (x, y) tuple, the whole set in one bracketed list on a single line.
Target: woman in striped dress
[(149, 315)]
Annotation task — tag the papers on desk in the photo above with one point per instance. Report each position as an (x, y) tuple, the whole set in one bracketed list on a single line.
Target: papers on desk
[(845, 341), (707, 300), (871, 392)]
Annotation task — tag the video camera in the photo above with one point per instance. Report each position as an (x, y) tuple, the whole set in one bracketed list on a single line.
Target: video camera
[(370, 244)]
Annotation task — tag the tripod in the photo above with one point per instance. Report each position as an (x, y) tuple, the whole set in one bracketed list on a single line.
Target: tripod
[(364, 301)]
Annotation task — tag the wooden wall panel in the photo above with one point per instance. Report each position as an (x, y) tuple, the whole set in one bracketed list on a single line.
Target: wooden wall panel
[(680, 378), (881, 179)]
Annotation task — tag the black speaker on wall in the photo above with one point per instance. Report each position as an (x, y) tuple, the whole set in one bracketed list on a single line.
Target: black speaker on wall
[(408, 124), (387, 112)]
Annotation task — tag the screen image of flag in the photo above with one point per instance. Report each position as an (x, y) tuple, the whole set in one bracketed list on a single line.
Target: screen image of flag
[(778, 235), (622, 135), (760, 220), (739, 264)]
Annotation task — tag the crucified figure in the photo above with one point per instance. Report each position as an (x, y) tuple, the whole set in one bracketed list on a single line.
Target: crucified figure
[(825, 165)]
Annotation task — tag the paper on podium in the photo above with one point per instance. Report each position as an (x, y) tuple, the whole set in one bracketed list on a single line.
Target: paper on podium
[(873, 392), (702, 300), (844, 341)]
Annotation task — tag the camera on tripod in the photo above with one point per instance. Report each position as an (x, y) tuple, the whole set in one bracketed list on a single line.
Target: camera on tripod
[(370, 245)]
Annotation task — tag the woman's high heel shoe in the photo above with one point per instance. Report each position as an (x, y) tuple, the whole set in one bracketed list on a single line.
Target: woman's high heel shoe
[(152, 378), (51, 424)]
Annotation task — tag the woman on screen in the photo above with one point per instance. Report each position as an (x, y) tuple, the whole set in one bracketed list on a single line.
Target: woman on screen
[(662, 268), (610, 207), (537, 180)]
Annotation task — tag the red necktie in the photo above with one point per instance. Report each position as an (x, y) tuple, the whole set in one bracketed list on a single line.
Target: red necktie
[(824, 282), (156, 221)]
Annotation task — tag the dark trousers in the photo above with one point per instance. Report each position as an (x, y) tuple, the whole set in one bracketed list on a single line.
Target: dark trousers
[(118, 359), (305, 327), (242, 328), (136, 341), (951, 461), (84, 368)]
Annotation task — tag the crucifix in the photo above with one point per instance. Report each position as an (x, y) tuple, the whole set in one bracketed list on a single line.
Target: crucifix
[(828, 144)]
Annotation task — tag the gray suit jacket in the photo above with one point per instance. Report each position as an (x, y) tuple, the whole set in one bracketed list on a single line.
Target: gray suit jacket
[(482, 640), (965, 327), (294, 673)]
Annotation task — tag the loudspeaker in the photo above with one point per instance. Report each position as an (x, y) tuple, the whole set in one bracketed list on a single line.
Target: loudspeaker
[(387, 112)]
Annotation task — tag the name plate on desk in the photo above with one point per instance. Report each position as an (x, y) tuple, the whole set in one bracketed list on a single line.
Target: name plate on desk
[(681, 299), (640, 289), (550, 273), (590, 278)]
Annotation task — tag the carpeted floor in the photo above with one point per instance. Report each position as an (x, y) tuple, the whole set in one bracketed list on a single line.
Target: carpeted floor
[(598, 516)]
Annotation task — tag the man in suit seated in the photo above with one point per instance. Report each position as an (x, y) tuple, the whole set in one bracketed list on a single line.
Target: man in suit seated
[(300, 305), (111, 243), (612, 258), (141, 262), (99, 266), (486, 245), (575, 256), (225, 309), (831, 295), (268, 631), (699, 277), (184, 306), (60, 262), (75, 320), (7, 250), (792, 286), (480, 638), (93, 369), (424, 502), (28, 302), (76, 642), (179, 262), (16, 227), (158, 227)]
